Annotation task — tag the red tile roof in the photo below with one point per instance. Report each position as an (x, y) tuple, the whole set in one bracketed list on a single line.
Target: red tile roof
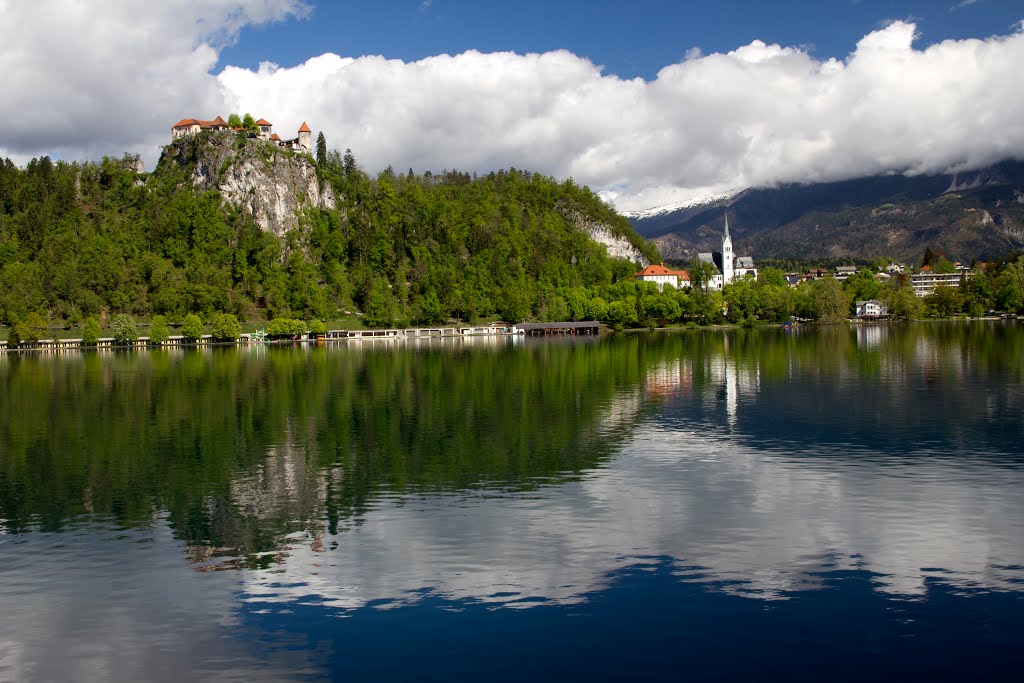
[(185, 122), (304, 128), (274, 136), (263, 122), (655, 269)]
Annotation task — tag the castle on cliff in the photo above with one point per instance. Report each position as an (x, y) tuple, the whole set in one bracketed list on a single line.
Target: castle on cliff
[(302, 142)]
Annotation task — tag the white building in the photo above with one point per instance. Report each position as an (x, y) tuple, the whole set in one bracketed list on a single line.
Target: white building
[(871, 309), (925, 282), (662, 276), (730, 267)]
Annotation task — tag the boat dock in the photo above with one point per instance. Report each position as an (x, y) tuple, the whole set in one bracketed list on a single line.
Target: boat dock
[(334, 336), (538, 329)]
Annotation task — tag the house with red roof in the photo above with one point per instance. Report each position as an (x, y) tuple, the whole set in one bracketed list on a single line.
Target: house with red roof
[(662, 276)]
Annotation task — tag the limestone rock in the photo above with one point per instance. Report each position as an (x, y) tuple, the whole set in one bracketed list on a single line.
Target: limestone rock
[(602, 233), (256, 176)]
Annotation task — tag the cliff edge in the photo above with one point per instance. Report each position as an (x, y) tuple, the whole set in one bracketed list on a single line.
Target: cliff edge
[(269, 182)]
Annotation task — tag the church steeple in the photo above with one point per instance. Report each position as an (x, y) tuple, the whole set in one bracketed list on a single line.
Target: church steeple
[(727, 256)]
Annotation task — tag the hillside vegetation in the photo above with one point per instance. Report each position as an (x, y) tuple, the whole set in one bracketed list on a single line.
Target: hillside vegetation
[(79, 240)]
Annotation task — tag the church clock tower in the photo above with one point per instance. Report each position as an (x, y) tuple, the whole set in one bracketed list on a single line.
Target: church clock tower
[(727, 258)]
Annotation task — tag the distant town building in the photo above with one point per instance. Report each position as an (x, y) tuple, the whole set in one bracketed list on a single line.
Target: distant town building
[(662, 276), (871, 309), (843, 272), (730, 267), (925, 282), (303, 141)]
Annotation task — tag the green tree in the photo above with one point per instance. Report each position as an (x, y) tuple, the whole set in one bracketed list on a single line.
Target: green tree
[(124, 330), (350, 164), (597, 309), (91, 331), (771, 277), (701, 275), (235, 121), (1009, 287), (829, 303), (862, 286), (623, 313), (901, 301), (249, 123), (317, 327), (28, 330), (281, 328), (945, 301), (158, 330), (430, 308), (378, 309), (226, 327), (321, 150), (192, 327)]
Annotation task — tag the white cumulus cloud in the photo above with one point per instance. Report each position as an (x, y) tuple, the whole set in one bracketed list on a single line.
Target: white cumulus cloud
[(760, 114), (83, 79)]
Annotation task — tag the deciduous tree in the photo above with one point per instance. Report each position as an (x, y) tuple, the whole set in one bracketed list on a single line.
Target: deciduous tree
[(192, 327)]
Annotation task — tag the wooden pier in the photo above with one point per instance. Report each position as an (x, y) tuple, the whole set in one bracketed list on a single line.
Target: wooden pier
[(333, 336), (588, 327)]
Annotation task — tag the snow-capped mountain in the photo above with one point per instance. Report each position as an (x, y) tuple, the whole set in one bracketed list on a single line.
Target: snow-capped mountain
[(702, 201), (971, 214)]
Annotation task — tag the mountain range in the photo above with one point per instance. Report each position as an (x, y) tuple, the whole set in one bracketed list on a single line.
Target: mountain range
[(971, 215)]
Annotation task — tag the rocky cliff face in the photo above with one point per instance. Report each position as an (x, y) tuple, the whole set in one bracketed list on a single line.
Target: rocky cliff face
[(270, 183), (618, 247), (602, 233)]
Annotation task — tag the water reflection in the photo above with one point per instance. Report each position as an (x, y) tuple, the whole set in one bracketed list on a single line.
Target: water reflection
[(752, 465)]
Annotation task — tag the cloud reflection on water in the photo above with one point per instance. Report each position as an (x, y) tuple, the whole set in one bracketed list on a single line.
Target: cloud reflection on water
[(742, 520)]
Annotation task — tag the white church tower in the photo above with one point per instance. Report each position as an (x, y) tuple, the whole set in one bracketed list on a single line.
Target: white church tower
[(727, 258)]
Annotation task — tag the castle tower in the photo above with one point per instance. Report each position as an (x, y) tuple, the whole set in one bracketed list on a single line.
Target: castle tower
[(727, 258), (305, 137)]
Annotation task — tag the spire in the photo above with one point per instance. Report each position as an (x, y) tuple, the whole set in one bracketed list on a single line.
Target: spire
[(726, 236)]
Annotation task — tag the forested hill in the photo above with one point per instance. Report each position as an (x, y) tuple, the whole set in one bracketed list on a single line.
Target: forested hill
[(96, 239)]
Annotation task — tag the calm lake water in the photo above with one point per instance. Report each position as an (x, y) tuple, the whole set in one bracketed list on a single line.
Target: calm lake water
[(833, 504)]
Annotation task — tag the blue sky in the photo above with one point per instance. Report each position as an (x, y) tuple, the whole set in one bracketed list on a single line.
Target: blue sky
[(691, 98), (629, 39)]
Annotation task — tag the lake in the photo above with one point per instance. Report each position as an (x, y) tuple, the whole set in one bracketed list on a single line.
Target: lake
[(811, 504)]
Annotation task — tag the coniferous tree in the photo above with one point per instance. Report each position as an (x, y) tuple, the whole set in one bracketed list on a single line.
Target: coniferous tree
[(350, 164), (321, 150)]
